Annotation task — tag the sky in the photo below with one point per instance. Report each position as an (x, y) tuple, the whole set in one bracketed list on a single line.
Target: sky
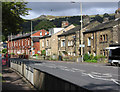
[(69, 9)]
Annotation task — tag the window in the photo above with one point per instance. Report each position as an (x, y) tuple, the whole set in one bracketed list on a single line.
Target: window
[(47, 43), (45, 33), (19, 42), (94, 54), (42, 43), (106, 38), (89, 41), (22, 42), (28, 42), (14, 43), (100, 38), (74, 54), (63, 43), (89, 52), (103, 37), (40, 33), (103, 52), (69, 43), (25, 42)]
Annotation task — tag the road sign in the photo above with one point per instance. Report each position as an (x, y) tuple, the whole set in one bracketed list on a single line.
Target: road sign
[(81, 45)]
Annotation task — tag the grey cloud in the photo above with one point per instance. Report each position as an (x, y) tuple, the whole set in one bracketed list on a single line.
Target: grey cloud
[(67, 8)]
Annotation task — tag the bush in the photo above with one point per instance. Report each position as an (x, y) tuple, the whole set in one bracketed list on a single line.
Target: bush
[(4, 51), (91, 57), (43, 52), (96, 58), (86, 57), (36, 55), (101, 56), (12, 53), (91, 61)]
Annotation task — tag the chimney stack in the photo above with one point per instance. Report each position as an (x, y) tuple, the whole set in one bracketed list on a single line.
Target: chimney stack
[(117, 13), (65, 23), (106, 19)]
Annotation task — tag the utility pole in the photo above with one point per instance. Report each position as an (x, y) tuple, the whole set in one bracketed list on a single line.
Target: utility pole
[(81, 32), (31, 38)]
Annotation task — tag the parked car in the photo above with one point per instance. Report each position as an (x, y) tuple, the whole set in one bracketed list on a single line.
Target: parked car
[(114, 56)]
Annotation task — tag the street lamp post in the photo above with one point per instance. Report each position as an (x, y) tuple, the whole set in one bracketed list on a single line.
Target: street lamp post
[(80, 32), (31, 38)]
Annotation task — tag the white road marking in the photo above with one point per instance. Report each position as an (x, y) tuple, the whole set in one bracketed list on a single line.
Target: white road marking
[(93, 75)]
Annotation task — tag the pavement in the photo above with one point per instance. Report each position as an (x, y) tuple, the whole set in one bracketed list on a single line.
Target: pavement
[(13, 81)]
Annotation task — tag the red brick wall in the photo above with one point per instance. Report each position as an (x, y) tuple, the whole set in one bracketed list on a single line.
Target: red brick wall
[(37, 47), (25, 45), (38, 33)]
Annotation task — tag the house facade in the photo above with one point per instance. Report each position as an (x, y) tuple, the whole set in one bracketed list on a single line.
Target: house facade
[(21, 44), (102, 36), (50, 43), (45, 44), (69, 41)]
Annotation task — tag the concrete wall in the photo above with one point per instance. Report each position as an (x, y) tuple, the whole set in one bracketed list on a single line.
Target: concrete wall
[(42, 80)]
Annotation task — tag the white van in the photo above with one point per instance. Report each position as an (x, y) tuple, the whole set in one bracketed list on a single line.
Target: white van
[(114, 56)]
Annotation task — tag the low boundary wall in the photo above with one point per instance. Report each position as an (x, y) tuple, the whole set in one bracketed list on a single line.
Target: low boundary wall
[(40, 79)]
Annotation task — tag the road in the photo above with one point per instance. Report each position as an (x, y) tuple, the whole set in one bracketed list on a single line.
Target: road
[(90, 76)]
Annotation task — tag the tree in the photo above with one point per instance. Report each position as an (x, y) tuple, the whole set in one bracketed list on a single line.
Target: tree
[(106, 15), (44, 25), (11, 20), (98, 18), (4, 51)]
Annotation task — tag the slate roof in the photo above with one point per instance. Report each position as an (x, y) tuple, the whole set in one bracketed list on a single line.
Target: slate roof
[(103, 26), (24, 35), (71, 31)]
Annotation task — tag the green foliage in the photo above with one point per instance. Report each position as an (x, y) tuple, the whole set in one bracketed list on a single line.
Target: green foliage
[(11, 19), (96, 58), (91, 57), (86, 57), (44, 25), (106, 15), (12, 53), (4, 51), (101, 56), (58, 20), (43, 52), (36, 55), (91, 61), (98, 18)]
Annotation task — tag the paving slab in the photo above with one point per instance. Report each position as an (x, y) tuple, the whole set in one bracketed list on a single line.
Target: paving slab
[(12, 81)]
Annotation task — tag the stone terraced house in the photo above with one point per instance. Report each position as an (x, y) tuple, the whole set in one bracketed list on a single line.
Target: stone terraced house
[(69, 41), (50, 43), (102, 36)]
